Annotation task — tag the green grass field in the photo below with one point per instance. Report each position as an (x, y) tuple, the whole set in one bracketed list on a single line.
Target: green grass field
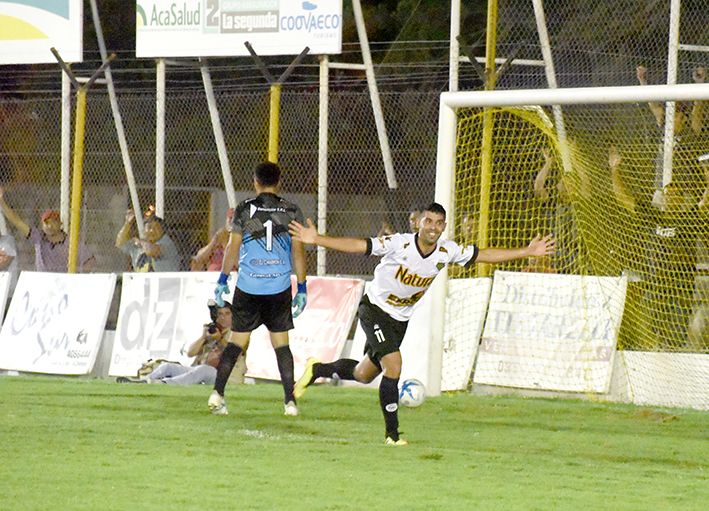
[(71, 444)]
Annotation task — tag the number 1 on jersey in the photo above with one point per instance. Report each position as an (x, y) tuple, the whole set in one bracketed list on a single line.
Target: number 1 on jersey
[(268, 224)]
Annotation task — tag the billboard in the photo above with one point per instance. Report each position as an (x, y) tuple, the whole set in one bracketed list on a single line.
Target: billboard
[(551, 332), (55, 322), (29, 28), (208, 28)]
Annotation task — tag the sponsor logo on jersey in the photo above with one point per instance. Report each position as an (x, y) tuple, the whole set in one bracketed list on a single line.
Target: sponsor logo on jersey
[(253, 209), (665, 232), (412, 279)]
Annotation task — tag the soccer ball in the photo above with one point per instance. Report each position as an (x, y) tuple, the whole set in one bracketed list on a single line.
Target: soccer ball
[(412, 393)]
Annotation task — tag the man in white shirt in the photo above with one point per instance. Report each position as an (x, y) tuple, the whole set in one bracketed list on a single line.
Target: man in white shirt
[(408, 266)]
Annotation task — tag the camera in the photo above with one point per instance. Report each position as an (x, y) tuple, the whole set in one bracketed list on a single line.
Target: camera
[(212, 327)]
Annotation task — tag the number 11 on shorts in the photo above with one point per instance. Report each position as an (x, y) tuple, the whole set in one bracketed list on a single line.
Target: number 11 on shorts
[(379, 334)]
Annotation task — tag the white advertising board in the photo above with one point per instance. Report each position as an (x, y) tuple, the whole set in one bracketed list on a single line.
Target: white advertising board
[(55, 322), (205, 28), (162, 313), (551, 332), (29, 28), (159, 316), (466, 306), (668, 379)]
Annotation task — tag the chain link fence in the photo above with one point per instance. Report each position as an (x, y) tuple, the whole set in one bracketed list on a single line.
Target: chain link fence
[(358, 197), (592, 44)]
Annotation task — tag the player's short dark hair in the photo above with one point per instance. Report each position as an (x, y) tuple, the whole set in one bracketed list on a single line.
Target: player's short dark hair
[(267, 173), (434, 207)]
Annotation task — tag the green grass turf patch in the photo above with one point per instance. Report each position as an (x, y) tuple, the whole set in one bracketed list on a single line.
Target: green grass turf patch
[(74, 444)]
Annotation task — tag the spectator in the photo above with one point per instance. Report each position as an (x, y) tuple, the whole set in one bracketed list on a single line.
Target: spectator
[(209, 257), (155, 252), (688, 128), (207, 350), (51, 243), (672, 234), (564, 199)]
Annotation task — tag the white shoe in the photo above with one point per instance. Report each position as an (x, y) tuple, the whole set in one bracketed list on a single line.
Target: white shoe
[(290, 409), (217, 404)]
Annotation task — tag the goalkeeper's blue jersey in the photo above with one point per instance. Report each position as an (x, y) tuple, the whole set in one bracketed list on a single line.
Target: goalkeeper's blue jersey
[(265, 263)]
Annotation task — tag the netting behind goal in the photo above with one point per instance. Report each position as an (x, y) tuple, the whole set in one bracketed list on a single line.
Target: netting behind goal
[(613, 223)]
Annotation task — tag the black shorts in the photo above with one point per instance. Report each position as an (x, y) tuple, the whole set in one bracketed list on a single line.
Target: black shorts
[(251, 311), (384, 333)]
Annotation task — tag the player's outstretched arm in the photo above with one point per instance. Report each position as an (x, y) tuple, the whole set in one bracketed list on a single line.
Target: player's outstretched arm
[(537, 247), (309, 234), (13, 217)]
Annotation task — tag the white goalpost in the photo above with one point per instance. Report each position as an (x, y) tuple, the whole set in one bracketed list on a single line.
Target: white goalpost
[(644, 374)]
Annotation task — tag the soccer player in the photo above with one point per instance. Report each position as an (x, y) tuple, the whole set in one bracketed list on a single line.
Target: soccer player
[(409, 264), (266, 258)]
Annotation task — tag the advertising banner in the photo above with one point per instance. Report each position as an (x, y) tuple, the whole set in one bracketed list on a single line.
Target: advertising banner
[(55, 322), (551, 332), (161, 314), (206, 28), (320, 331), (29, 28)]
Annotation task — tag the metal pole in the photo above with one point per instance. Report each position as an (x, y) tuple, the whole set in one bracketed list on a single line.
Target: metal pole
[(672, 57), (218, 134), (374, 95), (454, 50), (77, 179), (488, 124), (322, 160), (540, 17), (274, 122), (160, 141), (118, 121), (66, 151)]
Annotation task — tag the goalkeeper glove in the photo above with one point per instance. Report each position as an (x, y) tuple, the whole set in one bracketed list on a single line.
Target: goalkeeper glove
[(300, 299), (222, 287)]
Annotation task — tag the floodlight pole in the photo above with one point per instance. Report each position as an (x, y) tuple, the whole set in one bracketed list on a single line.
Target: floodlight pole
[(275, 97), (78, 166)]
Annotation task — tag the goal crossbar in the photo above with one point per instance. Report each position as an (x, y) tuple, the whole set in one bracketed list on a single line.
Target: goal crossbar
[(576, 96)]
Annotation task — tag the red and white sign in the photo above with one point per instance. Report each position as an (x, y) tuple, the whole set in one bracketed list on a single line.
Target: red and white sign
[(320, 331), (162, 313)]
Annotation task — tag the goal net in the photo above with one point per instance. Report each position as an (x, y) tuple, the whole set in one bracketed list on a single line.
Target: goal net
[(622, 306)]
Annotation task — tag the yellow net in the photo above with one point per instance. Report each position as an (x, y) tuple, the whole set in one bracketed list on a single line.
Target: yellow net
[(610, 213)]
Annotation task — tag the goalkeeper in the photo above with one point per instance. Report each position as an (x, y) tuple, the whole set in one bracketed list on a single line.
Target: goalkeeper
[(409, 264), (266, 258)]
